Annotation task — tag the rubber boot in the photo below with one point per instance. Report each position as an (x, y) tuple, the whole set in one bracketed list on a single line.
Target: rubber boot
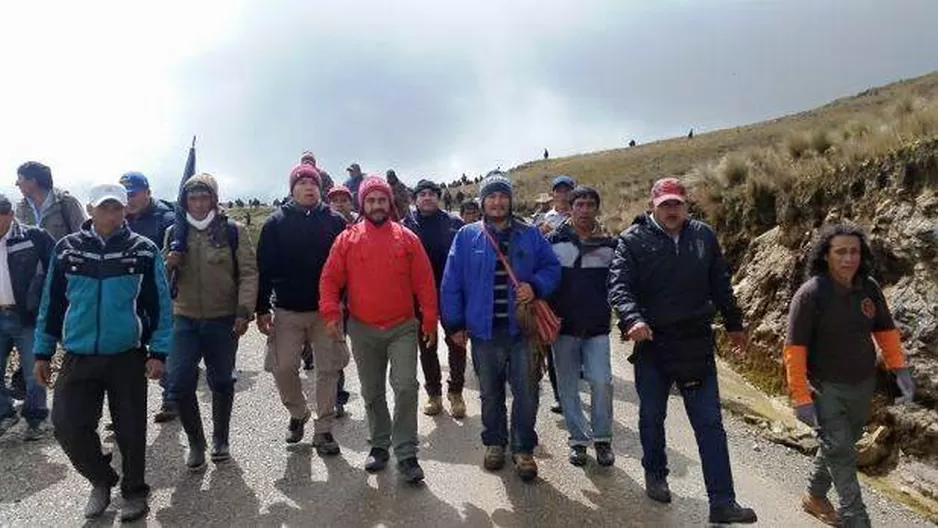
[(191, 419), (221, 420)]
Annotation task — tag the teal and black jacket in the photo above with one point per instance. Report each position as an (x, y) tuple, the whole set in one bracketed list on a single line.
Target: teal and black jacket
[(104, 298)]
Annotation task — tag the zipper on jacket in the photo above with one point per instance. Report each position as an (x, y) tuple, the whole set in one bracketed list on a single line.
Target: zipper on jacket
[(97, 336)]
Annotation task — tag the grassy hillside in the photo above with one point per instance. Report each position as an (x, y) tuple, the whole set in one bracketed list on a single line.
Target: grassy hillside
[(624, 176)]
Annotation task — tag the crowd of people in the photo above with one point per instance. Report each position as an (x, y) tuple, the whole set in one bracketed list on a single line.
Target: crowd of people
[(148, 289)]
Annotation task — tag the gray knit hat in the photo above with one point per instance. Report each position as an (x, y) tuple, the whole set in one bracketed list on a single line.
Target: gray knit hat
[(495, 181)]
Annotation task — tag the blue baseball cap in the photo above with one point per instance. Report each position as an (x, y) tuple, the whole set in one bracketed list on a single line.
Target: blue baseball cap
[(563, 179), (134, 182)]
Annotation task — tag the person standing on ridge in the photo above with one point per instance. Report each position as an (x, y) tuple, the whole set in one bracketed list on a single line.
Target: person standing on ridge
[(354, 180)]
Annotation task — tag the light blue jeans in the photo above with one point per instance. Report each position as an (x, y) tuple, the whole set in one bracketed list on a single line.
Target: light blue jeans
[(14, 333), (573, 355)]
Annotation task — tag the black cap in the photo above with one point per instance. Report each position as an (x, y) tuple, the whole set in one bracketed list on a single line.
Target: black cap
[(424, 185)]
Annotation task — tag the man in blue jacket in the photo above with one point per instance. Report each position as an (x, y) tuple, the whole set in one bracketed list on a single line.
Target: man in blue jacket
[(24, 259), (105, 298), (667, 281), (436, 229), (478, 302), (585, 252)]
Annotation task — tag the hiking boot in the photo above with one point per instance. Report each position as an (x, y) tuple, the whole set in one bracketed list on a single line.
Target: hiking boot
[(494, 458), (32, 433), (525, 466), (98, 501), (820, 508), (134, 508), (732, 514), (7, 423), (556, 408), (340, 411), (167, 414), (220, 451), (195, 458), (578, 455), (221, 422), (409, 470), (434, 406), (604, 454), (325, 444), (657, 489), (297, 428), (377, 459), (457, 406)]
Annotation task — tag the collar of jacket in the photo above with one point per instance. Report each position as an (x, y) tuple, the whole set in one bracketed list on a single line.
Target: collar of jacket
[(648, 221), (293, 207), (119, 235)]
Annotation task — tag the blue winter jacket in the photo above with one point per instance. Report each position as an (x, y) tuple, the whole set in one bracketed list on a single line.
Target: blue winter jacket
[(153, 221), (104, 298), (467, 292)]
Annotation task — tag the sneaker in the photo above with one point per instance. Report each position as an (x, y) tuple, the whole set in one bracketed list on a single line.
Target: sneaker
[(409, 470), (297, 428), (657, 489), (525, 466), (457, 406), (325, 444), (604, 454), (578, 455), (377, 459), (98, 501), (556, 408), (7, 423), (820, 508), (340, 411), (134, 508), (434, 406), (32, 433), (167, 414), (494, 458), (732, 514)]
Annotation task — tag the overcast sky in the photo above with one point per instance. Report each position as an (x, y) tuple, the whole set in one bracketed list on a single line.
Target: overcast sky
[(432, 89)]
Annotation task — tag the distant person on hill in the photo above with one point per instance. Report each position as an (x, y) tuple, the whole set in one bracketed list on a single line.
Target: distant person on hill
[(546, 154), (690, 135), (667, 280), (632, 143), (460, 197), (402, 194), (448, 200), (560, 189), (354, 180), (833, 321), (310, 159), (469, 211)]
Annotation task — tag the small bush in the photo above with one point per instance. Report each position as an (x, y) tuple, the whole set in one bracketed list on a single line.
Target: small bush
[(821, 141), (734, 170), (798, 145)]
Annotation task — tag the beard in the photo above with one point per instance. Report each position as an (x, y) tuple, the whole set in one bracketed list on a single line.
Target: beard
[(378, 221)]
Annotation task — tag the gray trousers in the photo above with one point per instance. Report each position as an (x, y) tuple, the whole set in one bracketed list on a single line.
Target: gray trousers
[(373, 350), (842, 411)]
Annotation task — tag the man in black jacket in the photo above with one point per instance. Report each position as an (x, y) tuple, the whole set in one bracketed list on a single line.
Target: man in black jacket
[(667, 281), (291, 252), (436, 229), (24, 259)]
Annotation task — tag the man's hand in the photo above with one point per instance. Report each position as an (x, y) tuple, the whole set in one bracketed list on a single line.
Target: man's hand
[(265, 323), (173, 259), (738, 339), (42, 372), (332, 330), (429, 338), (524, 293), (154, 369), (240, 326), (640, 331), (459, 338), (807, 414)]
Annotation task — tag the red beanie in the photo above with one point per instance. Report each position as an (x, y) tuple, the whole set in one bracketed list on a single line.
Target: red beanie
[(373, 183), (304, 171)]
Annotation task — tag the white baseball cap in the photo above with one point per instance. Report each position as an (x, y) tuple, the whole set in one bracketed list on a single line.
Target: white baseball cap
[(107, 191)]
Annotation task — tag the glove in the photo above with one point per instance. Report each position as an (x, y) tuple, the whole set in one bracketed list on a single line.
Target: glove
[(906, 385), (806, 414)]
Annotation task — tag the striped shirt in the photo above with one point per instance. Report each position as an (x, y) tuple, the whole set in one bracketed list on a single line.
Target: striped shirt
[(502, 282)]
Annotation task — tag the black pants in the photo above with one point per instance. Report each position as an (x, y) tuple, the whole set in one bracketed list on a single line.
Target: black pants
[(76, 411), (430, 363)]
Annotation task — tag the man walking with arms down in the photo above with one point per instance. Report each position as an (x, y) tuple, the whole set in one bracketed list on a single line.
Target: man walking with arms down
[(105, 297), (479, 301), (668, 279), (383, 266)]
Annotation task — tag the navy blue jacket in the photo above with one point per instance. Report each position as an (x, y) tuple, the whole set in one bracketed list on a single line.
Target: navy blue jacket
[(153, 221), (104, 298), (436, 233), (582, 299), (28, 252), (667, 285), (291, 253)]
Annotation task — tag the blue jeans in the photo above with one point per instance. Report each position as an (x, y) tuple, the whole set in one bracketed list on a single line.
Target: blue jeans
[(702, 404), (197, 339), (497, 360), (14, 333), (590, 356)]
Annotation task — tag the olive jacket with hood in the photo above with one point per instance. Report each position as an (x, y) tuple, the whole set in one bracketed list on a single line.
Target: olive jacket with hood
[(212, 280), (61, 214)]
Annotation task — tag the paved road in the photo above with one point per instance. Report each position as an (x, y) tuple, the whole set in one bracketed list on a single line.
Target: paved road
[(268, 484)]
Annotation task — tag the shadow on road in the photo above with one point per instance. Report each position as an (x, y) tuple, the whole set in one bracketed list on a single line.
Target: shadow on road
[(228, 501), (27, 469)]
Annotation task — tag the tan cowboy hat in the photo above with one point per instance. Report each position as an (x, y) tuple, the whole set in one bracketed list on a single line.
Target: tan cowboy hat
[(543, 198)]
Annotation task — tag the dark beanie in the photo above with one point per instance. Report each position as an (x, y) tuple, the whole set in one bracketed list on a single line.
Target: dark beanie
[(424, 185), (495, 181)]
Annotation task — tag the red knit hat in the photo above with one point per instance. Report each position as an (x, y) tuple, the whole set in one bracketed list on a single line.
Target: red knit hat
[(339, 189), (373, 183), (304, 171)]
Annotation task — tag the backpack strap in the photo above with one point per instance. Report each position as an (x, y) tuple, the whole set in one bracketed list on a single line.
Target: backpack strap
[(232, 230)]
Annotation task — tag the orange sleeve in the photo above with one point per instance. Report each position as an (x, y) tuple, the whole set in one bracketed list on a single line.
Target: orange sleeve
[(796, 366), (890, 342), (332, 280)]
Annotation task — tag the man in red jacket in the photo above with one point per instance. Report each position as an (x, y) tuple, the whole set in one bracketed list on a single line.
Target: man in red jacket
[(383, 266)]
